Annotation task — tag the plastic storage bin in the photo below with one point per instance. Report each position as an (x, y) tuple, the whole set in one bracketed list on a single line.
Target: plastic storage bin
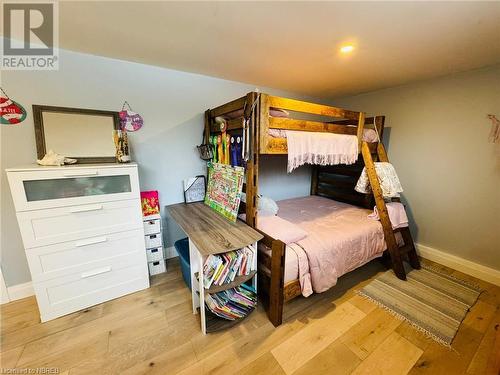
[(182, 247)]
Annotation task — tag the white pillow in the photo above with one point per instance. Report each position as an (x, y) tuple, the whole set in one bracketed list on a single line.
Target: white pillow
[(265, 205)]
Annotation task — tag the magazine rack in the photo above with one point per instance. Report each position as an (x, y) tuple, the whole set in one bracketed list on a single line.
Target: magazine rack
[(209, 233)]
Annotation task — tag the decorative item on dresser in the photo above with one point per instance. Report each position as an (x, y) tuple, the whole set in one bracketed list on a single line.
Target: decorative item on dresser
[(83, 233)]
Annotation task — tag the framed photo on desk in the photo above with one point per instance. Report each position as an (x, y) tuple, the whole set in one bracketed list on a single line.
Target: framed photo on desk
[(195, 189)]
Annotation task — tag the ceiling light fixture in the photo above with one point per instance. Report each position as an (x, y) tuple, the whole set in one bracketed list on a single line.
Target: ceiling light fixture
[(347, 48)]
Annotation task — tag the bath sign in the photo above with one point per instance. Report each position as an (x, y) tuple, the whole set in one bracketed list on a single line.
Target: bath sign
[(11, 113)]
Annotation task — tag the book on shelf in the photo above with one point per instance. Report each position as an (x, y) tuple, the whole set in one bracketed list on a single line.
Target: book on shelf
[(232, 304), (220, 269)]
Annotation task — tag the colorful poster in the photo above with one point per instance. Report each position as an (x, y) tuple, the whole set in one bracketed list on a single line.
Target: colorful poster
[(224, 189), (150, 203)]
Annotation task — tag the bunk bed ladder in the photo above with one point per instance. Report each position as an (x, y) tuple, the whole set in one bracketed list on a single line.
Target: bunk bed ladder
[(396, 253)]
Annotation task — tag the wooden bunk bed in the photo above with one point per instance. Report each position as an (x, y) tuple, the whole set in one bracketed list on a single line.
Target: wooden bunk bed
[(328, 181)]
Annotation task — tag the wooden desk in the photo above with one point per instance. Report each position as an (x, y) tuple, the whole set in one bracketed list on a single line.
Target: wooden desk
[(210, 233)]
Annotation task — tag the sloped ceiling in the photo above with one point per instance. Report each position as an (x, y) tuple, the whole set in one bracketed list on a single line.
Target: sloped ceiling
[(292, 45)]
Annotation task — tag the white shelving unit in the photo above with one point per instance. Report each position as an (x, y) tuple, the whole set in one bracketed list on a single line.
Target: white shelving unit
[(198, 291), (154, 244), (209, 233)]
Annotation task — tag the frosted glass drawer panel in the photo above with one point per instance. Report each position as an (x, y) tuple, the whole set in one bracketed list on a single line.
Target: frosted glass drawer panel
[(66, 258), (61, 188), (55, 225), (64, 186), (66, 294)]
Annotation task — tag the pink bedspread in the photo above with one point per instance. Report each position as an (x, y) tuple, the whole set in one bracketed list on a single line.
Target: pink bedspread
[(340, 238)]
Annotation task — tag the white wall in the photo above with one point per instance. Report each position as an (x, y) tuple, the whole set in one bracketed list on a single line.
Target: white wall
[(172, 104), (438, 142)]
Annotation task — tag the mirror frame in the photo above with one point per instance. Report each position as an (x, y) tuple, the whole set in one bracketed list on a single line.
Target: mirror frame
[(41, 150)]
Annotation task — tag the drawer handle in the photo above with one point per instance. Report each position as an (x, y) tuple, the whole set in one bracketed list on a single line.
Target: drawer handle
[(96, 272), (93, 207), (80, 174), (90, 241)]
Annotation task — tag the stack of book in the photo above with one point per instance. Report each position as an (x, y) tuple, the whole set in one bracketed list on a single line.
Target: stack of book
[(232, 304), (223, 268)]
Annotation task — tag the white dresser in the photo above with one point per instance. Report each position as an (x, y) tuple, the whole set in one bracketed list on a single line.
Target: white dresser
[(83, 233)]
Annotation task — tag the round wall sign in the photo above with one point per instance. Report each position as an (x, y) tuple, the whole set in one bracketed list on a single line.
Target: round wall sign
[(130, 121), (11, 113)]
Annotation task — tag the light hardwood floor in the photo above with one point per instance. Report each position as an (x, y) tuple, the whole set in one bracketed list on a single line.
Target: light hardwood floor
[(336, 332)]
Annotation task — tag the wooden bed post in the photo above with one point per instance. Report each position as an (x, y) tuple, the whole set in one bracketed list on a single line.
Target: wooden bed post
[(314, 180), (390, 239), (276, 289), (252, 164), (260, 124), (263, 122)]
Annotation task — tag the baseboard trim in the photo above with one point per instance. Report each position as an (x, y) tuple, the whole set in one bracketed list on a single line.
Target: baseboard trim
[(479, 271), (170, 252), (20, 291)]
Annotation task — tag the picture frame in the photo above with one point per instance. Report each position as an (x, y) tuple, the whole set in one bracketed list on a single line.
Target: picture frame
[(195, 189), (77, 133)]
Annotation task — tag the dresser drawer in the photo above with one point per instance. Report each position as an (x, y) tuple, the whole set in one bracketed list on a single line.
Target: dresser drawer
[(67, 186), (66, 294), (51, 261), (50, 226)]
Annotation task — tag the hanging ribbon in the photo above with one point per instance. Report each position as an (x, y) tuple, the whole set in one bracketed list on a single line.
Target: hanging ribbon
[(494, 136), (245, 150)]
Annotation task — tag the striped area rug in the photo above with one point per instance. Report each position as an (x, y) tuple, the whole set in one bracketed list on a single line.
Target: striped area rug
[(429, 300)]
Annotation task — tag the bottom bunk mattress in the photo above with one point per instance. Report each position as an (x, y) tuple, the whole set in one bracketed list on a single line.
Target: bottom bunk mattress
[(340, 237)]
